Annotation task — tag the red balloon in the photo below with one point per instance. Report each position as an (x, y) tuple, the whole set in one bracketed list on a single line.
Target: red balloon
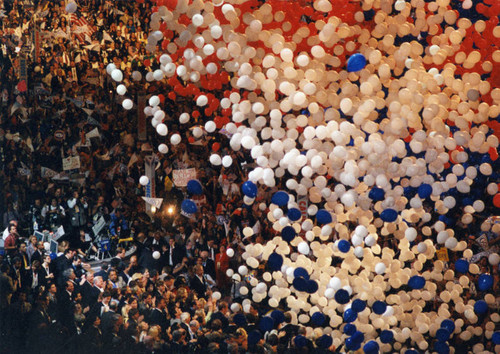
[(191, 139), (161, 97), (496, 200), (195, 114), (147, 62), (170, 4), (493, 154), (172, 95), (215, 147)]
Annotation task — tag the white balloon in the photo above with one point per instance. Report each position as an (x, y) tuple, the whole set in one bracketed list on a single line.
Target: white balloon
[(121, 89), (163, 148), (380, 268), (144, 180), (127, 104), (154, 101), (184, 118), (71, 7), (156, 255), (117, 75), (175, 139), (227, 161), (215, 160), (210, 126), (230, 252), (162, 129)]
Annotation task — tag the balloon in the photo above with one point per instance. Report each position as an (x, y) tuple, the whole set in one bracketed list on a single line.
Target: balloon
[(342, 296), (442, 334), (300, 283), (188, 206), (344, 246), (280, 198), (351, 344), (416, 282), (318, 319), (325, 341), (358, 336), (288, 233), (449, 325), (266, 324), (349, 329), (156, 255), (441, 347), (278, 317), (496, 200), (350, 315), (275, 261), (424, 191), (71, 7), (301, 272), (386, 336), (194, 187), (389, 215), (480, 307), (496, 338), (376, 194), (358, 305), (379, 307), (462, 266), (300, 341), (485, 282), (356, 62), (323, 216), (117, 75), (311, 286), (53, 256), (371, 347), (230, 252), (144, 180), (249, 189), (253, 338), (294, 214), (127, 104)]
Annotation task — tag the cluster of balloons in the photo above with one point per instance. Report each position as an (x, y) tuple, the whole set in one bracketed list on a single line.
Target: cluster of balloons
[(380, 114)]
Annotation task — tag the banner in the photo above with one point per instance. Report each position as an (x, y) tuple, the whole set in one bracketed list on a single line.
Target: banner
[(149, 164), (156, 202), (47, 172), (94, 133), (182, 177), (442, 254), (142, 132), (71, 163)]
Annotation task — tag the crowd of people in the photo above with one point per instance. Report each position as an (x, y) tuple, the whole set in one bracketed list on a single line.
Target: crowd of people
[(172, 294)]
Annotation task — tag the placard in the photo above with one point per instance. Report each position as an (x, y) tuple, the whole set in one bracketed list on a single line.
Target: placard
[(71, 163), (182, 177)]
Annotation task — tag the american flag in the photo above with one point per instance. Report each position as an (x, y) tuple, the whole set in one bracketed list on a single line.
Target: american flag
[(81, 27)]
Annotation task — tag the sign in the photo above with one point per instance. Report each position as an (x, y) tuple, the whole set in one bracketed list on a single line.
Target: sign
[(59, 233), (54, 245), (303, 205), (99, 226), (94, 133), (156, 202), (442, 254), (71, 163), (59, 135), (482, 241), (182, 177), (142, 132), (23, 73), (47, 172), (39, 236), (149, 164)]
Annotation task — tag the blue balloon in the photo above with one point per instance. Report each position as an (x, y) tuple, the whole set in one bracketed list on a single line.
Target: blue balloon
[(356, 62), (344, 246), (278, 316), (266, 324), (240, 320), (254, 337), (325, 341), (301, 272), (358, 336), (323, 216), (311, 286), (318, 319), (424, 191), (350, 315), (349, 329), (358, 305), (53, 256), (300, 284), (379, 307), (416, 282), (480, 307), (449, 325), (371, 347), (249, 189), (389, 215), (280, 198), (496, 338), (188, 206), (485, 282), (386, 336), (342, 296), (288, 233), (275, 261), (376, 194), (462, 266), (351, 344), (441, 347), (411, 351), (300, 341), (194, 187), (443, 334), (294, 214)]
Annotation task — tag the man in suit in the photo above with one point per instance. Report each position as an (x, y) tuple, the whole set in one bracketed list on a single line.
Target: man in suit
[(201, 282), (208, 264), (158, 315), (175, 253), (90, 293), (62, 263), (66, 307)]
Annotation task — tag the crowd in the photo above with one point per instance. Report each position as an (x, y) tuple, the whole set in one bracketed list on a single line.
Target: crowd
[(173, 294)]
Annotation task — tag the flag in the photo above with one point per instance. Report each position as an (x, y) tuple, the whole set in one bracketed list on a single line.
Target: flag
[(80, 26)]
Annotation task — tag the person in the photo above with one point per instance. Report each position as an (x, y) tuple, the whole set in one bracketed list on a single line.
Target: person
[(10, 244), (221, 267), (7, 288), (200, 283), (117, 223)]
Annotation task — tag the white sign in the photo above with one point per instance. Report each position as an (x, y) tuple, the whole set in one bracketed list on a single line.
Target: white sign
[(71, 163), (182, 177)]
